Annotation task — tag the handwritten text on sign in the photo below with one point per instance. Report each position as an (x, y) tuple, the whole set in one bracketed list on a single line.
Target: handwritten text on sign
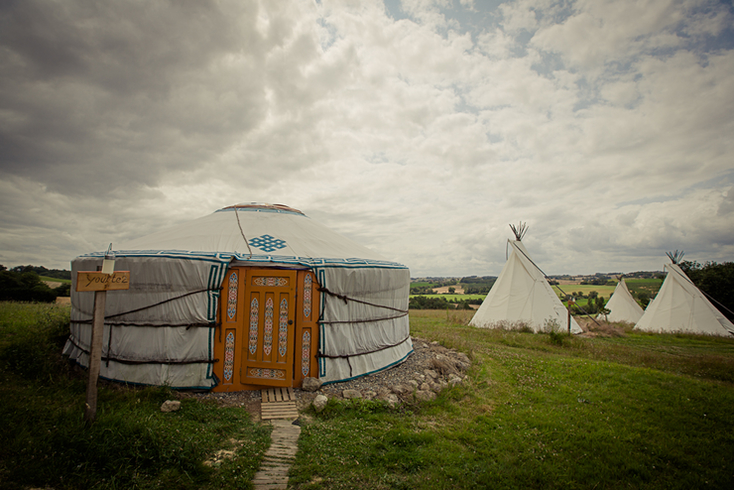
[(99, 281)]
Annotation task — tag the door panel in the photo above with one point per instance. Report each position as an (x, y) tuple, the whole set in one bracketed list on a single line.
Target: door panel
[(228, 335), (307, 327), (267, 359)]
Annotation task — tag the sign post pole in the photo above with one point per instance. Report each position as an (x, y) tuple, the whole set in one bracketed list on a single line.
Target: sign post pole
[(100, 282), (95, 355)]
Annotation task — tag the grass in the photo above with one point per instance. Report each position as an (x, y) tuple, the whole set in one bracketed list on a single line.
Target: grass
[(631, 411), (639, 411), (453, 297), (55, 279), (44, 442), (604, 291)]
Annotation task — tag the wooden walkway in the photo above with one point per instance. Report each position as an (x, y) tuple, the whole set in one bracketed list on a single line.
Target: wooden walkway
[(279, 407), (278, 403)]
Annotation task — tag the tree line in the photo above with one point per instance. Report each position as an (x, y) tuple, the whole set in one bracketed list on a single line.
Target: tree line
[(23, 283)]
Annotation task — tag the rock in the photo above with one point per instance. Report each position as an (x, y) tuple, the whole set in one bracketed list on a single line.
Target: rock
[(430, 373), (413, 383), (319, 402), (402, 389), (425, 387), (311, 384), (349, 394), (454, 380), (425, 395), (392, 400), (170, 406), (370, 395)]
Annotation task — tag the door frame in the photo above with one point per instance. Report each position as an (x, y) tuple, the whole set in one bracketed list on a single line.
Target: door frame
[(232, 330)]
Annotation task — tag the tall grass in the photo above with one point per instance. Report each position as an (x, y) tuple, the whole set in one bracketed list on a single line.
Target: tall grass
[(628, 412), (44, 441)]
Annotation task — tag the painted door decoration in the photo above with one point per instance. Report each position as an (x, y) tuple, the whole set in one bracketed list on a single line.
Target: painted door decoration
[(268, 357), (269, 329)]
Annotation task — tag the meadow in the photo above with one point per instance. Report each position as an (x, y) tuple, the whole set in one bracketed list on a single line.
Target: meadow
[(620, 409)]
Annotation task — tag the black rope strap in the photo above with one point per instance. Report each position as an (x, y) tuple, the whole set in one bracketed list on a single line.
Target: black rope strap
[(336, 322), (153, 305), (136, 324), (347, 299), (108, 358), (347, 356)]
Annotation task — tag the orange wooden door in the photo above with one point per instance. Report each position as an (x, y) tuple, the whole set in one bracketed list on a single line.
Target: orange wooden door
[(267, 348), (228, 338), (307, 327)]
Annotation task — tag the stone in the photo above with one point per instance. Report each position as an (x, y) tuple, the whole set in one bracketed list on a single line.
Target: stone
[(170, 406), (402, 389), (311, 384), (413, 383), (349, 394), (319, 402), (392, 400), (425, 395), (370, 395), (430, 373), (454, 380), (425, 387)]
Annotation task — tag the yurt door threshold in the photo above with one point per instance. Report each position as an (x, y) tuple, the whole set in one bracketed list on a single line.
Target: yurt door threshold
[(269, 329)]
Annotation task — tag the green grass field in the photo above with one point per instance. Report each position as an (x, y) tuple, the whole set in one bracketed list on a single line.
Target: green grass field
[(604, 291), (639, 411), (626, 411), (453, 297)]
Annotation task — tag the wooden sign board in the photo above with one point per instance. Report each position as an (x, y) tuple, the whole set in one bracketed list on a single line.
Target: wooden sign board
[(99, 281)]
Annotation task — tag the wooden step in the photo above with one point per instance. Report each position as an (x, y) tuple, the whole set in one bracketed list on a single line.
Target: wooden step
[(278, 403)]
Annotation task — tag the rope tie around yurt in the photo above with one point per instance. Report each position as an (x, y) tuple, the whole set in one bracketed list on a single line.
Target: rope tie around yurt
[(346, 299)]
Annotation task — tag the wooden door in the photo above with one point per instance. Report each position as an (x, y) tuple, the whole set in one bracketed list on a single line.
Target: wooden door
[(269, 329), (268, 346)]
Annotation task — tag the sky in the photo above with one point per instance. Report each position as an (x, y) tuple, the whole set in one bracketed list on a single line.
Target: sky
[(418, 128)]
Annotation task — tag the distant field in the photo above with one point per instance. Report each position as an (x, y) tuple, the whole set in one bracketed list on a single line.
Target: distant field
[(604, 291), (54, 279), (650, 285), (452, 297), (422, 284)]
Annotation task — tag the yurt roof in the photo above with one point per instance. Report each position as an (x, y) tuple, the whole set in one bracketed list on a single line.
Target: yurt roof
[(256, 232)]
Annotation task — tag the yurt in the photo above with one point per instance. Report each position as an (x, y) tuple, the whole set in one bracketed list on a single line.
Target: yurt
[(681, 307), (522, 294), (622, 306), (250, 296)]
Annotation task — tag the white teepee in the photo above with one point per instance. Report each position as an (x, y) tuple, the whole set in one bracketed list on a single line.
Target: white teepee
[(622, 306), (681, 307), (522, 294)]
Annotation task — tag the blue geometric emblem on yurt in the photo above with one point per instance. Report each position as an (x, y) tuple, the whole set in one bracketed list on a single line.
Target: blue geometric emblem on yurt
[(267, 243)]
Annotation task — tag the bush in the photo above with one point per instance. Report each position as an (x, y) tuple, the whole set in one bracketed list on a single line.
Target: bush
[(24, 286)]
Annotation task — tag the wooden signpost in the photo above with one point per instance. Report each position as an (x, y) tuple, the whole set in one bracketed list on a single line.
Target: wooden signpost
[(100, 282)]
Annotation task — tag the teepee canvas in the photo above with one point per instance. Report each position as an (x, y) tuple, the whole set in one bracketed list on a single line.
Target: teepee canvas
[(681, 307), (622, 306), (522, 294), (252, 295)]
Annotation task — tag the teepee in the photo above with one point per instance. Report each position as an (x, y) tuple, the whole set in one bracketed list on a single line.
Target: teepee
[(522, 294), (681, 307), (622, 306), (251, 295)]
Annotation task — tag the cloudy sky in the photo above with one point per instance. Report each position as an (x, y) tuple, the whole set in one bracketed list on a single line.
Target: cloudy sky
[(419, 128)]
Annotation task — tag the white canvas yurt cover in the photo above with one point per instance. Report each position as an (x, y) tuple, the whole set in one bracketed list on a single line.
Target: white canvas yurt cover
[(522, 294), (681, 307), (204, 304), (622, 306)]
